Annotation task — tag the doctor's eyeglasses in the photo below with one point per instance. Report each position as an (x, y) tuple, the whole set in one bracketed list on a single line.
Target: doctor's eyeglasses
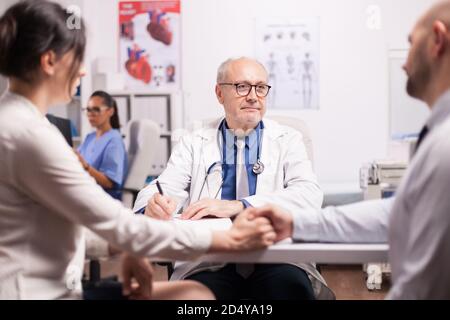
[(243, 89)]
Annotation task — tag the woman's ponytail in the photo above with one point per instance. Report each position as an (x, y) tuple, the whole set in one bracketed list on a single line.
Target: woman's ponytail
[(8, 34)]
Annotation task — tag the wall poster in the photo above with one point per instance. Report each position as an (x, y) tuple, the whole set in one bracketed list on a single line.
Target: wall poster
[(149, 43), (289, 49)]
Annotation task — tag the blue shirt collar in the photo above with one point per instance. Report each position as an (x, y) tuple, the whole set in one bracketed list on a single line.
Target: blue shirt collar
[(251, 140)]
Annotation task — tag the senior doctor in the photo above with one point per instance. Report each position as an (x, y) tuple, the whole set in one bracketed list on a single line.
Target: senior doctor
[(230, 164)]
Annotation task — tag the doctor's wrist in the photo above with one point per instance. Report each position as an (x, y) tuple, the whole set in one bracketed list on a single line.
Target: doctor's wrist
[(237, 206)]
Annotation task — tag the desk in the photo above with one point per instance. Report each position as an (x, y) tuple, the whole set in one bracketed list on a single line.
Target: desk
[(335, 253)]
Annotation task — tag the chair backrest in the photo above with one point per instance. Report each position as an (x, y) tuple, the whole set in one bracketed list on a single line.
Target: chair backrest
[(142, 142), (302, 127), (294, 123)]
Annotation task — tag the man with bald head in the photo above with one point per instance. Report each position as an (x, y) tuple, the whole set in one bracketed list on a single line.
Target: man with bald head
[(417, 222), (239, 161)]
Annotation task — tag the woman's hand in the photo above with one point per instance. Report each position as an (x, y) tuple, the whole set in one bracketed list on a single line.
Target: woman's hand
[(141, 270)]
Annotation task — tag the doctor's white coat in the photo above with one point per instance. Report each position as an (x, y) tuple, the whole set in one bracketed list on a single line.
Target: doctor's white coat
[(288, 181)]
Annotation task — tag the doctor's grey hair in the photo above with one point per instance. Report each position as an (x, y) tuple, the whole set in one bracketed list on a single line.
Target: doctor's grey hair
[(223, 68)]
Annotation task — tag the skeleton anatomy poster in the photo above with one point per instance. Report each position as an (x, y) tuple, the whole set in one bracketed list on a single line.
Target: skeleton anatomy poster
[(150, 43), (289, 49)]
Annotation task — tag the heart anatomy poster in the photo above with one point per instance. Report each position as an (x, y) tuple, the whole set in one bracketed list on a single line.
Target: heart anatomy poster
[(149, 44)]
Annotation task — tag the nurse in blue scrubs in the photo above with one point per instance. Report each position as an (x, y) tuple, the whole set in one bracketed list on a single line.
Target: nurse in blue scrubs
[(103, 153)]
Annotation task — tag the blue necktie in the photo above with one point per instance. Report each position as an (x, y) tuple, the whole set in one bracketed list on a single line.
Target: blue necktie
[(422, 136)]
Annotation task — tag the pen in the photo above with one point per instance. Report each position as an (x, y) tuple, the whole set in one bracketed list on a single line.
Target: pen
[(159, 188)]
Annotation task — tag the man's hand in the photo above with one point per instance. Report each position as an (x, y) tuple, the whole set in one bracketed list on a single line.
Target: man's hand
[(282, 221), (141, 270), (247, 233), (212, 207), (160, 207)]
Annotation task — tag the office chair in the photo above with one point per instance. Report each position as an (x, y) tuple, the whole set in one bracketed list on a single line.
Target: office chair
[(294, 123), (302, 127), (142, 139)]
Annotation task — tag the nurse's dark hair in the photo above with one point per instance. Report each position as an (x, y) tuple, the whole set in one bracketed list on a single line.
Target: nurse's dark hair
[(32, 28), (110, 102)]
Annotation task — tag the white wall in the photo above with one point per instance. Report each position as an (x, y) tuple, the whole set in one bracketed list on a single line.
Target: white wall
[(5, 4), (351, 126)]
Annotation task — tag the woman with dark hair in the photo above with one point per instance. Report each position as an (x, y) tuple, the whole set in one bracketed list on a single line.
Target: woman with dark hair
[(46, 198), (103, 153)]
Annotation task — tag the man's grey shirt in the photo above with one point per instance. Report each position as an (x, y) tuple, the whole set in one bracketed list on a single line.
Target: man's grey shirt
[(419, 232), (416, 223)]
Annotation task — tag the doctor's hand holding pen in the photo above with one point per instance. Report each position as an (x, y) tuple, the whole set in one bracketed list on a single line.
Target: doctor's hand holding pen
[(160, 207)]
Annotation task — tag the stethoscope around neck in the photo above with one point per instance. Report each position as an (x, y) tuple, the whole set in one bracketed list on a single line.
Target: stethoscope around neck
[(258, 166)]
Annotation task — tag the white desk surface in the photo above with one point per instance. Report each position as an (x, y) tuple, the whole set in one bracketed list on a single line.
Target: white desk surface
[(336, 253), (286, 251)]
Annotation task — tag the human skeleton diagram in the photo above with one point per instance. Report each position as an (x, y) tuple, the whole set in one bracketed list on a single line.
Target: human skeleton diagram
[(272, 79), (307, 79)]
